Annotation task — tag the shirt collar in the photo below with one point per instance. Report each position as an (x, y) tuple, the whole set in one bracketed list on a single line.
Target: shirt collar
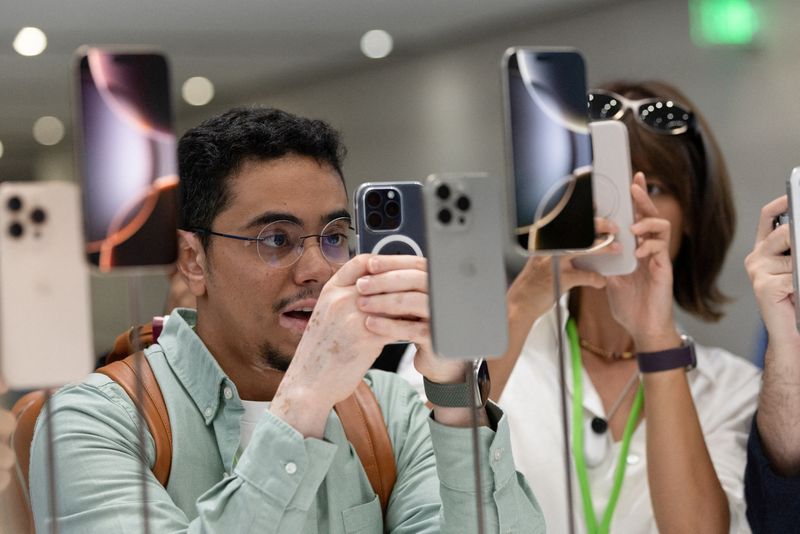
[(192, 363)]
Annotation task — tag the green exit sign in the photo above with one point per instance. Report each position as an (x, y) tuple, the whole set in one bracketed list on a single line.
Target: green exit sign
[(723, 22)]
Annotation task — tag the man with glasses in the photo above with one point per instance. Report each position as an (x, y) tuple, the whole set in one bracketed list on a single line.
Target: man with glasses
[(286, 326)]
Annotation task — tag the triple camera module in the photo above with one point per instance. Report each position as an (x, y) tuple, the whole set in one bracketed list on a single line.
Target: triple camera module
[(383, 209), (457, 211), (16, 229)]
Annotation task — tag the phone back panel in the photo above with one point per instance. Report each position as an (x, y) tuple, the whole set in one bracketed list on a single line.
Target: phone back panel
[(611, 185), (466, 272), (408, 237), (793, 192), (45, 318)]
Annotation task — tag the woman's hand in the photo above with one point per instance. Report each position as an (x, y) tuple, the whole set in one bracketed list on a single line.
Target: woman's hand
[(642, 301)]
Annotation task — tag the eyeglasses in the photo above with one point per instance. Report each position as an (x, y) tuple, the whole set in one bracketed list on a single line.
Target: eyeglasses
[(660, 115), (281, 243)]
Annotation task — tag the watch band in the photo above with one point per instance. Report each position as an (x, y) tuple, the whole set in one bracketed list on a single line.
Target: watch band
[(458, 395), (666, 360)]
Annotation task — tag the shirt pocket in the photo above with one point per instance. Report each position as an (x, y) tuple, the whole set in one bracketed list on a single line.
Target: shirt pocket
[(365, 518)]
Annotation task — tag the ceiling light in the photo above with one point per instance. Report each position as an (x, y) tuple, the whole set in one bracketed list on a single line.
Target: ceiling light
[(376, 44), (48, 130), (198, 91), (30, 41), (1, 149)]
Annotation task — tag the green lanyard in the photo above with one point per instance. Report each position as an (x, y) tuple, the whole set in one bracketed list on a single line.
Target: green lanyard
[(577, 441)]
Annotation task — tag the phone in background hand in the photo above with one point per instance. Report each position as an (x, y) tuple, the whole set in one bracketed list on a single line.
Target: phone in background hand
[(126, 153), (793, 192), (466, 272), (549, 151), (389, 218), (611, 184), (45, 311)]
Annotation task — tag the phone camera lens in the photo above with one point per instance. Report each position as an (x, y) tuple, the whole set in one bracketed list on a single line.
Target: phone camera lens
[(463, 203), (443, 192), (392, 209), (38, 216), (445, 216), (373, 199), (16, 230), (14, 203), (374, 220)]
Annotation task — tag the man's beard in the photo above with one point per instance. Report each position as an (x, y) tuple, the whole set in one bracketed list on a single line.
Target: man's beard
[(274, 358)]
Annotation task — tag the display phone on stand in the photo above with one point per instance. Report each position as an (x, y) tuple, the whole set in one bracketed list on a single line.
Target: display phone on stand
[(389, 218), (793, 192), (611, 185), (549, 150), (126, 153), (466, 272), (45, 314)]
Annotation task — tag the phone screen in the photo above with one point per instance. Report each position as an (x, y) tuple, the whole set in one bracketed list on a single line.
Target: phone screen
[(127, 155), (551, 149)]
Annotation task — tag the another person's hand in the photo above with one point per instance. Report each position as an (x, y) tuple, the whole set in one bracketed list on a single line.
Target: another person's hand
[(770, 272), (642, 301)]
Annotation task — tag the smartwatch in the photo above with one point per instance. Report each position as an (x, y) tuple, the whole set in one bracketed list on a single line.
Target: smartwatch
[(666, 360), (458, 395)]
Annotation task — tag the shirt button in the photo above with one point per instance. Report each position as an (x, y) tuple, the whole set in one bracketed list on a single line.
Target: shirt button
[(291, 468), (208, 412), (228, 393), (633, 459), (498, 454)]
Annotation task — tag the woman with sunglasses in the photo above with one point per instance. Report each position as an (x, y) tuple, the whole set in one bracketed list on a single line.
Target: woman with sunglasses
[(655, 447)]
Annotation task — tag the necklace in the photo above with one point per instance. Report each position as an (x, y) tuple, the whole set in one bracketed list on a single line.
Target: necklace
[(592, 525), (606, 354), (599, 424)]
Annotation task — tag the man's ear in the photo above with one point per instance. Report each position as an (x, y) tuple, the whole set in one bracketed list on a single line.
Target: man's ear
[(192, 262)]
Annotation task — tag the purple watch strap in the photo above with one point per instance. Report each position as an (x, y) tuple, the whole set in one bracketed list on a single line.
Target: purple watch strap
[(665, 360)]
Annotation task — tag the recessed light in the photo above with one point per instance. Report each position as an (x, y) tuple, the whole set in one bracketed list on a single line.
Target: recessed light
[(197, 91), (48, 130), (376, 44), (30, 41), (1, 149)]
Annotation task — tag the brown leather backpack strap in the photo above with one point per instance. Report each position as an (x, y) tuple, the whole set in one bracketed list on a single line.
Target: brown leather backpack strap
[(126, 373), (132, 340), (366, 430)]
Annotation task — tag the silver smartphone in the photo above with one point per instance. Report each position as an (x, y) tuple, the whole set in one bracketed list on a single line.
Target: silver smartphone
[(549, 152), (611, 187), (793, 192), (466, 272), (45, 318), (389, 218)]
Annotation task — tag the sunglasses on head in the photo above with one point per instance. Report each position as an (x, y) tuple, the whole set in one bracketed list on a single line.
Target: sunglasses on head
[(658, 114)]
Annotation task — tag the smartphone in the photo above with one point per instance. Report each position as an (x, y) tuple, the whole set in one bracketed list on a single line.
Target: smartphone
[(45, 313), (466, 272), (611, 185), (793, 192), (126, 154), (549, 150), (389, 218)]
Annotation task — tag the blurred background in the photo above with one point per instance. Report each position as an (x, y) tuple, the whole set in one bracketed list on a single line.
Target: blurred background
[(421, 96)]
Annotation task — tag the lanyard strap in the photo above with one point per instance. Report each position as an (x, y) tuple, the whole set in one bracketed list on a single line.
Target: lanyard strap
[(577, 442)]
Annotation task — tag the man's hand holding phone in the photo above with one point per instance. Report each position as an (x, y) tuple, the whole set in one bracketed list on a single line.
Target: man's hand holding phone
[(370, 302)]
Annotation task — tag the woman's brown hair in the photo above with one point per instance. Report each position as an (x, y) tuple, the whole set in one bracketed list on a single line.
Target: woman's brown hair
[(691, 168)]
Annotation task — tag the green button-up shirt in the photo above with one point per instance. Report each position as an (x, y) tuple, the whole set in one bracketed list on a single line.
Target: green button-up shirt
[(282, 482)]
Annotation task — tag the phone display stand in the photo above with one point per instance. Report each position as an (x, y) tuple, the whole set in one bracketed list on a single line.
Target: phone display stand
[(471, 370)]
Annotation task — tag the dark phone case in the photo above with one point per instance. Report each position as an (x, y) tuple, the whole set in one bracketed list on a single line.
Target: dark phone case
[(408, 237)]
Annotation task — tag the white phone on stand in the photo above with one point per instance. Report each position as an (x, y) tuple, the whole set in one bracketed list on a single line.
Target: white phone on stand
[(611, 185), (793, 192), (45, 318)]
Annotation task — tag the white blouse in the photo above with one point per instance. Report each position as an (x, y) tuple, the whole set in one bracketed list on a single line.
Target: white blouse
[(724, 388)]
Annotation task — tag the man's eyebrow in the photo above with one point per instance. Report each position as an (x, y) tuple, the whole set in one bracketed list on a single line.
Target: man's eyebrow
[(270, 217), (338, 214)]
